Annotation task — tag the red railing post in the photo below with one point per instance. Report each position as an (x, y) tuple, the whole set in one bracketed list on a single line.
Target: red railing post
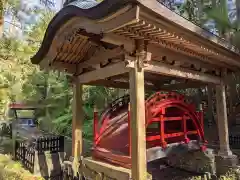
[(162, 133), (129, 131), (95, 124), (185, 131), (201, 116)]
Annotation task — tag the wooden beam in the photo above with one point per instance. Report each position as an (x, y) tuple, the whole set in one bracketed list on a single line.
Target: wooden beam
[(110, 84), (158, 52), (137, 114), (169, 70), (116, 83), (119, 85), (110, 171), (103, 73)]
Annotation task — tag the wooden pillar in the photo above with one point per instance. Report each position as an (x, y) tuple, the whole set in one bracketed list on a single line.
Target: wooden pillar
[(222, 120), (77, 121), (232, 96), (137, 114)]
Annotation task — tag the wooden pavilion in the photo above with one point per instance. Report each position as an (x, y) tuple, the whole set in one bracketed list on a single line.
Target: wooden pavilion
[(136, 44)]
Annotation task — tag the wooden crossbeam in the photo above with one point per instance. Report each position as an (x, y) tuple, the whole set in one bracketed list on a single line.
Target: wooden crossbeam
[(179, 86), (169, 70), (103, 73), (125, 85), (110, 84), (119, 84)]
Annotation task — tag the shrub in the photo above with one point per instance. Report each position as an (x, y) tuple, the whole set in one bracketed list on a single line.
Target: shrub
[(11, 170)]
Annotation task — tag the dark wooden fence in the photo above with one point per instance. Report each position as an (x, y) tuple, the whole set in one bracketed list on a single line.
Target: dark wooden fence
[(234, 141), (52, 143), (26, 153)]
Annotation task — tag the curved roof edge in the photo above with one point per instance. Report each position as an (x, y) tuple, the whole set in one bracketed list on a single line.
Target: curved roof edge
[(74, 9)]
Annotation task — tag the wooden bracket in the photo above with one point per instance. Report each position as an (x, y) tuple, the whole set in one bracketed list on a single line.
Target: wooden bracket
[(142, 58)]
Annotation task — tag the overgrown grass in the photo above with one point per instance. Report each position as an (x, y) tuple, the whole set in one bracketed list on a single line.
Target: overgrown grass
[(11, 170), (232, 174)]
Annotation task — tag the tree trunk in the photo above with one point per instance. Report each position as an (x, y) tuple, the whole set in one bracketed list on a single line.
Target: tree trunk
[(1, 18), (199, 4), (214, 3)]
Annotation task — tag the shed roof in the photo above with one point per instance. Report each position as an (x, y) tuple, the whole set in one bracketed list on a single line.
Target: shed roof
[(78, 33)]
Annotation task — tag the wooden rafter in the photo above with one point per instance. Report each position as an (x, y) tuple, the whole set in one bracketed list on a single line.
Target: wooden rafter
[(173, 22), (102, 56)]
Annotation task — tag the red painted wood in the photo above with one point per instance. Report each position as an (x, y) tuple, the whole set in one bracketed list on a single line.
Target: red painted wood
[(170, 110), (162, 128), (186, 139), (95, 128), (129, 132), (20, 106)]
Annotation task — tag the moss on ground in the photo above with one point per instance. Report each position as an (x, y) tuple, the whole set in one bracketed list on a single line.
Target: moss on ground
[(11, 170)]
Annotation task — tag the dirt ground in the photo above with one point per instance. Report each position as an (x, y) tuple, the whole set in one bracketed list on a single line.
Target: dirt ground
[(160, 170)]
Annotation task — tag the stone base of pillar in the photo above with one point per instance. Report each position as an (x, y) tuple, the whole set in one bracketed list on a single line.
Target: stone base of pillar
[(225, 163)]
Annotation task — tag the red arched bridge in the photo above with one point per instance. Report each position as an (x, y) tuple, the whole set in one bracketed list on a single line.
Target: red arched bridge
[(170, 120)]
